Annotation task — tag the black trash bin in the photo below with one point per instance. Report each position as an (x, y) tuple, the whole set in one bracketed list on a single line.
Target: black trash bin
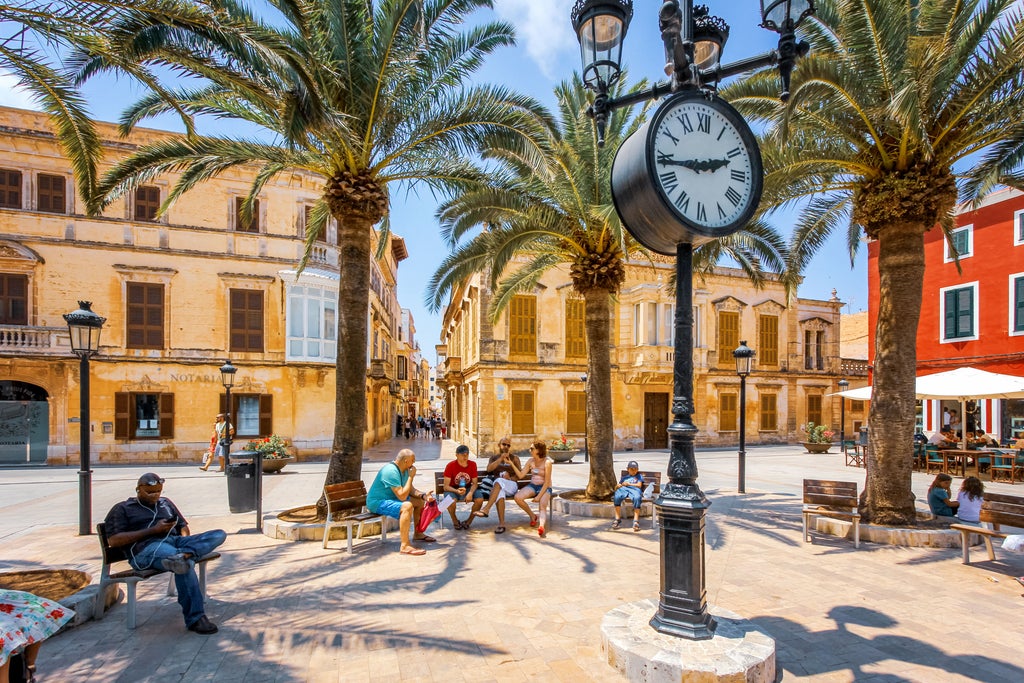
[(241, 487)]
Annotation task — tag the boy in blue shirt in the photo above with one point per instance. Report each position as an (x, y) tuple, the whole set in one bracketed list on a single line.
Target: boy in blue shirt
[(630, 486)]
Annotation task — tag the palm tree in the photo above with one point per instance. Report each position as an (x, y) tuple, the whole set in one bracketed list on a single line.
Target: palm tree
[(900, 111), (365, 94), (561, 214)]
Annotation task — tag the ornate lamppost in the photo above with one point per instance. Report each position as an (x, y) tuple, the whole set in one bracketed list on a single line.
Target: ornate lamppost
[(84, 328), (743, 355), (843, 386), (689, 175)]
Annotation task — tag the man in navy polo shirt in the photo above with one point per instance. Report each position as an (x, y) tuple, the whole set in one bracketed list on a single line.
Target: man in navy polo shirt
[(159, 538)]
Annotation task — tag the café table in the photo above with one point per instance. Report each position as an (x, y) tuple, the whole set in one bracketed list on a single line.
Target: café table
[(956, 460)]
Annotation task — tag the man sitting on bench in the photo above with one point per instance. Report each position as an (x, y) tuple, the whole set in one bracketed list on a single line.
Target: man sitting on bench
[(159, 538), (392, 494)]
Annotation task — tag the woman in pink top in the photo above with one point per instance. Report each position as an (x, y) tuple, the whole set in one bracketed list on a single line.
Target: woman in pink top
[(538, 467)]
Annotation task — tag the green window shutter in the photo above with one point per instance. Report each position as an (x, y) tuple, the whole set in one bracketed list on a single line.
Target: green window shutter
[(949, 316)]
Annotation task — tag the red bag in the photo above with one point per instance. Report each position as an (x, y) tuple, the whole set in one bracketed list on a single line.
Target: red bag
[(429, 514)]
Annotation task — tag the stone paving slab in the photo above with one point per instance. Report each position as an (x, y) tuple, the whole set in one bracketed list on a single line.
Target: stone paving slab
[(516, 607)]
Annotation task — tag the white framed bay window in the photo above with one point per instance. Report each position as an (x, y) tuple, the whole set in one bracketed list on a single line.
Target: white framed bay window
[(312, 321)]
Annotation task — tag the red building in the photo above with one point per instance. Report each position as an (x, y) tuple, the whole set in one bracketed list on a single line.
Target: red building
[(972, 316)]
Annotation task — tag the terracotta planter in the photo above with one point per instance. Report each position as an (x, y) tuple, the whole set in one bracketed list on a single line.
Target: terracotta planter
[(562, 456), (816, 447), (271, 465)]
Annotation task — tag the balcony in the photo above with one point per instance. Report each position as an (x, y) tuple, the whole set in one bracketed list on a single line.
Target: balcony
[(380, 370), (23, 339), (451, 370)]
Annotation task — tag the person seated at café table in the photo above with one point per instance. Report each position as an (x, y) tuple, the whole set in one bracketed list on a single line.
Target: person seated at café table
[(943, 439), (980, 438), (939, 500)]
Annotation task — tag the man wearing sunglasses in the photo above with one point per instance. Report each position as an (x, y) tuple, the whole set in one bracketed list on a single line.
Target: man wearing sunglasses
[(159, 538)]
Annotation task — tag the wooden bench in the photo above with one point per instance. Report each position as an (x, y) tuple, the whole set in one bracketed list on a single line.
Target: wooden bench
[(836, 499), (342, 499), (996, 509), (132, 577), (439, 491)]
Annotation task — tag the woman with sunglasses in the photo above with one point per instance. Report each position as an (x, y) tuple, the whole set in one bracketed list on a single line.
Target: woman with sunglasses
[(538, 468)]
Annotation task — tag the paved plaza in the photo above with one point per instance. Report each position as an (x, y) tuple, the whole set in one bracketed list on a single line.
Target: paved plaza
[(515, 607)]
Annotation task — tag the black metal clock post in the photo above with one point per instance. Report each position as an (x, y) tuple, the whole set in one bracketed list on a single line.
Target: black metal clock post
[(652, 206)]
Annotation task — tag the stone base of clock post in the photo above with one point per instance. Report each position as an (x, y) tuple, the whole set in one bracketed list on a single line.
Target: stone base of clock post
[(738, 651)]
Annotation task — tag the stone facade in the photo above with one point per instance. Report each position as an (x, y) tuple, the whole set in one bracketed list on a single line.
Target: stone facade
[(490, 384), (181, 293)]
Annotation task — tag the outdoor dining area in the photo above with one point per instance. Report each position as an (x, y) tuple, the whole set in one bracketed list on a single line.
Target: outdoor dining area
[(968, 448)]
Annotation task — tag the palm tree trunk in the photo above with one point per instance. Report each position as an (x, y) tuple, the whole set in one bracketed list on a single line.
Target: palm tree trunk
[(599, 395), (350, 391), (890, 499)]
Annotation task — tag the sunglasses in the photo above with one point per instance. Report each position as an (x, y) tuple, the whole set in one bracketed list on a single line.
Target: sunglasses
[(150, 481)]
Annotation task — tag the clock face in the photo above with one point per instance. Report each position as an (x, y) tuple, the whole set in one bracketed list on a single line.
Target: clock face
[(706, 162)]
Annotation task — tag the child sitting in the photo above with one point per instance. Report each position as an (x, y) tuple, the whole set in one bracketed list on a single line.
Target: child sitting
[(630, 486), (969, 499), (938, 497)]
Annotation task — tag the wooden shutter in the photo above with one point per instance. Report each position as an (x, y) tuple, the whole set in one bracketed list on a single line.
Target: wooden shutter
[(266, 415), (769, 415), (246, 318), (522, 412), (166, 416), (727, 413), (768, 340), (13, 299), (254, 224), (728, 335), (576, 412), (147, 202), (10, 189), (814, 409), (145, 315), (51, 197), (523, 325), (575, 328), (122, 415)]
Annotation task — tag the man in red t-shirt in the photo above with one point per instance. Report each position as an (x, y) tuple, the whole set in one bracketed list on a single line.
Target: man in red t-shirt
[(460, 480)]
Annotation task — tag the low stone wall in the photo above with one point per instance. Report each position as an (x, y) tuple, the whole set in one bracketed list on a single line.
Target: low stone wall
[(913, 538), (579, 508)]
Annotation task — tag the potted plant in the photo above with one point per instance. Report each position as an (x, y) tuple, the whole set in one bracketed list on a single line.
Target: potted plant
[(275, 452), (562, 449), (819, 438)]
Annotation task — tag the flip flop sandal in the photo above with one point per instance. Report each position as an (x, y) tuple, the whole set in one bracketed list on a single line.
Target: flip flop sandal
[(413, 551), (534, 522), (616, 524), (481, 514), (425, 539), (541, 532), (636, 526), (500, 530)]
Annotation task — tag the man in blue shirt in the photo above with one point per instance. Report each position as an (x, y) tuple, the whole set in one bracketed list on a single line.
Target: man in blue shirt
[(392, 494), (630, 486)]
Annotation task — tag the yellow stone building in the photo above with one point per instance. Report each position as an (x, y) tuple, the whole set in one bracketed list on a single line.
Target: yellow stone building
[(180, 294), (524, 375)]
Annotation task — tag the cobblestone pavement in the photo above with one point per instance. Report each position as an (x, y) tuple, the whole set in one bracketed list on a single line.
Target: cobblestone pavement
[(515, 607)]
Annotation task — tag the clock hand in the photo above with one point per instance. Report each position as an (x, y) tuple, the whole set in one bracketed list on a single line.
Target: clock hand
[(697, 165)]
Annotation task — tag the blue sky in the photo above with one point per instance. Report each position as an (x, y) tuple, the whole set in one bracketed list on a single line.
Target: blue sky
[(547, 53)]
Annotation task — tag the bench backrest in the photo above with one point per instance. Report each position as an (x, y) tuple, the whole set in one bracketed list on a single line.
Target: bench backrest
[(110, 554), (649, 477), (1001, 508), (830, 493), (347, 495)]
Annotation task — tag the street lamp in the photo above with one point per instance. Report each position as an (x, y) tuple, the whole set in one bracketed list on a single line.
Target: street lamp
[(743, 355), (227, 378), (84, 328), (843, 386), (644, 174), (586, 419)]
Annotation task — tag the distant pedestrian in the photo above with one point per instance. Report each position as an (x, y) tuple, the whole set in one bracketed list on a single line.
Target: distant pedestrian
[(399, 425), (222, 435)]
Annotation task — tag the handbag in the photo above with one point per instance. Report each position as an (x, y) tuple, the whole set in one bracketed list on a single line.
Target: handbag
[(430, 512)]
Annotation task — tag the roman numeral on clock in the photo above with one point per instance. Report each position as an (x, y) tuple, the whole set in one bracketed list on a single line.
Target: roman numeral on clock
[(687, 126), (669, 181), (702, 213), (683, 201), (738, 176), (704, 123), (733, 196), (721, 212), (734, 152)]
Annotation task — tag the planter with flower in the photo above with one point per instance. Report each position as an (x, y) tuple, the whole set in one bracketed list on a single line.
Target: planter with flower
[(275, 452), (819, 438), (562, 449)]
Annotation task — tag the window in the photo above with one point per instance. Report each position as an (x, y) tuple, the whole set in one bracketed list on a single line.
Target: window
[(958, 311), (728, 416), (13, 299), (728, 335), (246, 320), (814, 409), (147, 202), (668, 315), (1017, 303), (312, 323), (814, 350), (575, 329), (401, 364), (143, 416), (50, 196), (523, 327), (522, 412), (308, 218), (251, 414), (963, 240), (1018, 227), (576, 412), (145, 316), (254, 224), (769, 413), (768, 340), (10, 189)]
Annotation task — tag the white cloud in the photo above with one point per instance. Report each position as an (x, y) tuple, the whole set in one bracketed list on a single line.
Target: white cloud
[(543, 29), (12, 95)]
